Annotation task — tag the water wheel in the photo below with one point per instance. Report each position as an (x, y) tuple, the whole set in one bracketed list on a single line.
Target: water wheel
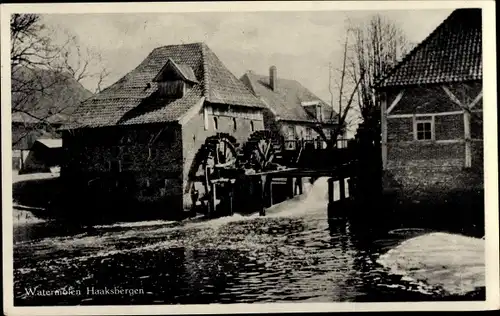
[(263, 151), (216, 159)]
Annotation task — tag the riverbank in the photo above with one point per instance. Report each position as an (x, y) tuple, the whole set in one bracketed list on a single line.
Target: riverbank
[(30, 195)]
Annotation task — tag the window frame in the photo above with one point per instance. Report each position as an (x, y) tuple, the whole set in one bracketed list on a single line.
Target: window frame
[(290, 133), (216, 123), (309, 134), (423, 120)]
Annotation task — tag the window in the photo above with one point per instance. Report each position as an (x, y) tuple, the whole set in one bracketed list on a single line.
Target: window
[(308, 133), (291, 133), (424, 129), (216, 124), (251, 126), (234, 124)]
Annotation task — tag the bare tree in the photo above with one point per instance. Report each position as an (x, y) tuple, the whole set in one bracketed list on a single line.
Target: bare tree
[(377, 47), (369, 50), (43, 71)]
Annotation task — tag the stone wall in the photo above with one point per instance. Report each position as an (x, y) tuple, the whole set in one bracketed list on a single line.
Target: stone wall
[(126, 161)]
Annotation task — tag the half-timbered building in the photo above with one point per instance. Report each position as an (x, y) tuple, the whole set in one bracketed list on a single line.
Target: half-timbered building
[(432, 110)]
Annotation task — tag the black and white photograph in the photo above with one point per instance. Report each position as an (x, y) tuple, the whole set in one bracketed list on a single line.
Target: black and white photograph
[(227, 154)]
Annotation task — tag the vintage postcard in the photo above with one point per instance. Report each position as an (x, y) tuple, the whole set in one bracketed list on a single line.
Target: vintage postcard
[(239, 157)]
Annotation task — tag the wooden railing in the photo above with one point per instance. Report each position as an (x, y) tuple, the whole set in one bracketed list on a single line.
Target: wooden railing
[(316, 143)]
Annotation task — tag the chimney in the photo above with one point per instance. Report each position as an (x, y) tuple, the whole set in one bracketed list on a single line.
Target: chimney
[(273, 78)]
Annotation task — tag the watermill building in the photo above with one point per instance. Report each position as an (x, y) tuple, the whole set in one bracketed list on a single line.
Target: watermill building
[(137, 139)]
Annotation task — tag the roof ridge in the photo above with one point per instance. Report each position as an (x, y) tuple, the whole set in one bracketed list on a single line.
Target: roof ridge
[(290, 80), (206, 90), (415, 49), (201, 43), (279, 78)]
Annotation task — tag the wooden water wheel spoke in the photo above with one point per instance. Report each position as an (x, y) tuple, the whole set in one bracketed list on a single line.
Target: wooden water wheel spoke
[(216, 155), (261, 150)]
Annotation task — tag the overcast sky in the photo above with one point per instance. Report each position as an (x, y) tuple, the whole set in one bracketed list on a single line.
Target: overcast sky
[(300, 44)]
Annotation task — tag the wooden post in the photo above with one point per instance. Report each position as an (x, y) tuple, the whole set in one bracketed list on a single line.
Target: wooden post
[(231, 200), (350, 187), (383, 121), (342, 188), (214, 197), (262, 206), (467, 139), (269, 181), (331, 190), (262, 209), (290, 187), (331, 183)]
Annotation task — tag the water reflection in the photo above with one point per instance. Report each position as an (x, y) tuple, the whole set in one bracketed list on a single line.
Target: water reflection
[(295, 254)]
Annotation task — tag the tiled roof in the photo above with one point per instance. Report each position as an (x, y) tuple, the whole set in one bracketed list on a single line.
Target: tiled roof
[(287, 100), (451, 53), (134, 99), (183, 70)]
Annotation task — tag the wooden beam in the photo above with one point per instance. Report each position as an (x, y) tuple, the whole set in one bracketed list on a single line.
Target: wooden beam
[(476, 100), (424, 114), (467, 138), (452, 96), (395, 102)]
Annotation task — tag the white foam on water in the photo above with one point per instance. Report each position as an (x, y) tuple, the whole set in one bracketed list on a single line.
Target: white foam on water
[(452, 262), (315, 196), (221, 221), (136, 224)]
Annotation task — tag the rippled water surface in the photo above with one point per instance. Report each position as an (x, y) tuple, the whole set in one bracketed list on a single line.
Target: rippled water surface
[(293, 254)]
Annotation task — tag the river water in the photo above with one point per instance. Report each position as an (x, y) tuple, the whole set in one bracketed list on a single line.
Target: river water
[(293, 254)]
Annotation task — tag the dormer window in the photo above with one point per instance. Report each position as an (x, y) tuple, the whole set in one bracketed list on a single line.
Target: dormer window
[(313, 108), (174, 80)]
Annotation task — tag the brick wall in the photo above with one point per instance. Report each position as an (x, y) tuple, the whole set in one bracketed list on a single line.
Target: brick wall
[(153, 173), (449, 127), (194, 133), (418, 168), (424, 168), (400, 129), (477, 155), (476, 125), (422, 99), (404, 154), (417, 181)]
